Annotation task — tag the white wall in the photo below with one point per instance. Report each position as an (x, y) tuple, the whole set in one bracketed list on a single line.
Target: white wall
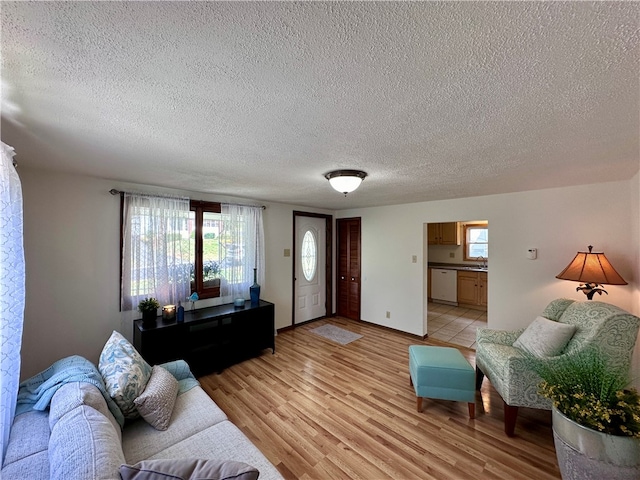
[(71, 230), (558, 222), (72, 256)]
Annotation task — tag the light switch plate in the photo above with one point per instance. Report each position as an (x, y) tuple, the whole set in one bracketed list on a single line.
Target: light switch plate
[(287, 252)]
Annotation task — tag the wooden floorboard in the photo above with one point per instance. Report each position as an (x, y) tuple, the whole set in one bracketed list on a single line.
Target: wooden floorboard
[(321, 410)]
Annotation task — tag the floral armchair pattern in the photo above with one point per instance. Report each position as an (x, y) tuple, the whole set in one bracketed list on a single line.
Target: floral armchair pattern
[(606, 327)]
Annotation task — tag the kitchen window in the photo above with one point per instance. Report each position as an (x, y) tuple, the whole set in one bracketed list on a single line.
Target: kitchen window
[(476, 241)]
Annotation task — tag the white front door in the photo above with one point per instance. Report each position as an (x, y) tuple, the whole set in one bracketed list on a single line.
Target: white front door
[(310, 274)]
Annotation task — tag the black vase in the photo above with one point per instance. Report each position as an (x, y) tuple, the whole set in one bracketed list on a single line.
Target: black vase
[(254, 290)]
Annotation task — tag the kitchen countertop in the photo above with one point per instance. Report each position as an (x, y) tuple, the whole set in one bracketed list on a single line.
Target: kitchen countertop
[(453, 266)]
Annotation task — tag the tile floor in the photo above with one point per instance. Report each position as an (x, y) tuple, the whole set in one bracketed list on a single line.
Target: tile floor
[(455, 325)]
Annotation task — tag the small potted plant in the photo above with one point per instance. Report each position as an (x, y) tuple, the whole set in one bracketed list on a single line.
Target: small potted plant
[(149, 309), (596, 416), (211, 273)]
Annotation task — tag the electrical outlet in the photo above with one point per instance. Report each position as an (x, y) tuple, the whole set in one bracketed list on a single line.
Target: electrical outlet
[(414, 259), (452, 255), (388, 314), (287, 252)]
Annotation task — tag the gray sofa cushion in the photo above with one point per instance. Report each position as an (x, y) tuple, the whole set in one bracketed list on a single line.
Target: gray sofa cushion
[(34, 467), (188, 469), (72, 395), (222, 441), (193, 412), (26, 455), (84, 445)]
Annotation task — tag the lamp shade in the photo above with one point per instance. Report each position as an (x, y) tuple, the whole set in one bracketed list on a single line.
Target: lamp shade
[(345, 181), (588, 267)]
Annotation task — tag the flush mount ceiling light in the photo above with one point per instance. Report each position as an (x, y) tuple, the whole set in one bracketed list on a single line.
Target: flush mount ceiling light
[(345, 181)]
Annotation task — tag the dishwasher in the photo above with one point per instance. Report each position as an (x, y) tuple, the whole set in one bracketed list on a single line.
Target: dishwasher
[(444, 286)]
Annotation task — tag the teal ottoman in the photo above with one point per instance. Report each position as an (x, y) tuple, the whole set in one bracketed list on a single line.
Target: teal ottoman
[(442, 373)]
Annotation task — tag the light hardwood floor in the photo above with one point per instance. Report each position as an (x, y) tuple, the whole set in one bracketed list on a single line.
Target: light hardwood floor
[(320, 410)]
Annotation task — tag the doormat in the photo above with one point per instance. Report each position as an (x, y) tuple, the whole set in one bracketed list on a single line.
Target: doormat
[(336, 334)]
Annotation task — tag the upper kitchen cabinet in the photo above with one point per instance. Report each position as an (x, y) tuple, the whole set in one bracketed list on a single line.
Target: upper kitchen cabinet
[(447, 233)]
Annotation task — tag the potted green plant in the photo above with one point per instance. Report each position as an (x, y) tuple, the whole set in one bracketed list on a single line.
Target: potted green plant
[(595, 415), (211, 273), (149, 309)]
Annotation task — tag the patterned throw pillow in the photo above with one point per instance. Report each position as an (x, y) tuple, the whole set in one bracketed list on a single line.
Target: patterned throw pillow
[(545, 338), (125, 373), (157, 401)]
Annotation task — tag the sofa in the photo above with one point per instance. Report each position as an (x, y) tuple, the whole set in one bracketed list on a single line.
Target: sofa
[(564, 328), (70, 429)]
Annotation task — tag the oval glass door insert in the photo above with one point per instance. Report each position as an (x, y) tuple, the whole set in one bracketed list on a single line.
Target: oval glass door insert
[(309, 255)]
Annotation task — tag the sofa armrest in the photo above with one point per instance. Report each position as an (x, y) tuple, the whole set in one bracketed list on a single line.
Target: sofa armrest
[(502, 337), (180, 369)]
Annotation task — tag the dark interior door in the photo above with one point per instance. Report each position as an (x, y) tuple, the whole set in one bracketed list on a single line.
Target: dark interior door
[(348, 288)]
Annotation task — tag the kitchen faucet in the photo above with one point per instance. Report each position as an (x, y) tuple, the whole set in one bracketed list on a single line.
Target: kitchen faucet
[(484, 262)]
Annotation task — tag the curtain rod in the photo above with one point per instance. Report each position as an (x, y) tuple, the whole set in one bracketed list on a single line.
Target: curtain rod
[(113, 191)]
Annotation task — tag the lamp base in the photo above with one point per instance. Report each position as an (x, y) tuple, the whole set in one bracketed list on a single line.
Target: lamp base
[(589, 289)]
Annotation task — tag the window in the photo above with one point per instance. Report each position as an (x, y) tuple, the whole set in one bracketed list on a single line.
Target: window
[(227, 242), (207, 248), (155, 249), (309, 255), (173, 247), (476, 241)]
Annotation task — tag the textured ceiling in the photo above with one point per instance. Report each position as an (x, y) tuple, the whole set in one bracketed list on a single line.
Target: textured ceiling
[(259, 100)]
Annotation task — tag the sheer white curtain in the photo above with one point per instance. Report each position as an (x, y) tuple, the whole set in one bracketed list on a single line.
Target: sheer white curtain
[(156, 260), (244, 231), (12, 290)]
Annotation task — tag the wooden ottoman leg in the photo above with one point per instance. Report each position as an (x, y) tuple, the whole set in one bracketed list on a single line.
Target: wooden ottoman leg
[(419, 403), (472, 410), (479, 378), (410, 381)]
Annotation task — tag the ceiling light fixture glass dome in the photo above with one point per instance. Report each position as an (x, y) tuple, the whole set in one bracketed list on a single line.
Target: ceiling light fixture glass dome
[(345, 181)]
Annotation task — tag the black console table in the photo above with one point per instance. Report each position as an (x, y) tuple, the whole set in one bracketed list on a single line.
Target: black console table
[(209, 339)]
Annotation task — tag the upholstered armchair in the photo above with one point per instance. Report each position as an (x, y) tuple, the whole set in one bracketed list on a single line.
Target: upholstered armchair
[(606, 327)]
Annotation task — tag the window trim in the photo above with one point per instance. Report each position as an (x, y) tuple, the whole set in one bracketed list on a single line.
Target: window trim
[(466, 243), (199, 207)]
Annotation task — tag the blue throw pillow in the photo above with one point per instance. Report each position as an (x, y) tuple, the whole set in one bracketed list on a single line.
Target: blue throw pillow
[(125, 373)]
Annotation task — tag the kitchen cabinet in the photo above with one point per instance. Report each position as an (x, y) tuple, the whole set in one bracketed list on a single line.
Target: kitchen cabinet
[(447, 233), (472, 289)]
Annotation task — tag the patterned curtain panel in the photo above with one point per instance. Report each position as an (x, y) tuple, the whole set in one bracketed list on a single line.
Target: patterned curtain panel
[(12, 290), (156, 257), (244, 234)]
